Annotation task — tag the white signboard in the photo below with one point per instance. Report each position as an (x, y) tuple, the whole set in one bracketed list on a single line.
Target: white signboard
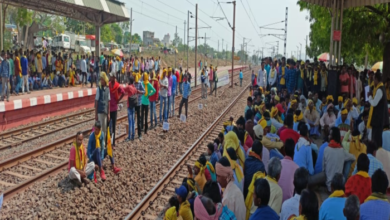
[(200, 106)]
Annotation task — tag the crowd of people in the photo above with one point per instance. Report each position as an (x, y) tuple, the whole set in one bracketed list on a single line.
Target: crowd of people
[(267, 165)]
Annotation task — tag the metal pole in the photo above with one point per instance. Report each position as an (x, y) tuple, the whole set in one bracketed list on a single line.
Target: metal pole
[(131, 26), (226, 55), (341, 28), (285, 32), (217, 52), (184, 39), (204, 49), (1, 28), (242, 50), (331, 33), (188, 36), (175, 46), (234, 29), (196, 40)]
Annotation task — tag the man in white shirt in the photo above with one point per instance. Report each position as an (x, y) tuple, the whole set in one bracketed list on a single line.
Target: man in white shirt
[(272, 76), (291, 206), (261, 76), (83, 67)]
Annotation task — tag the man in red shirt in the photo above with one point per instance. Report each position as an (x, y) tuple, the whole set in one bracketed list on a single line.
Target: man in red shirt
[(153, 99), (288, 131), (360, 183)]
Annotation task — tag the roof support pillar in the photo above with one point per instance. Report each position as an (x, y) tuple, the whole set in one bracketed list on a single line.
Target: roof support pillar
[(97, 42)]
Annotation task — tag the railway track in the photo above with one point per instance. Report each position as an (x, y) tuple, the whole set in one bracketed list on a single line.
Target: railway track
[(153, 204), (19, 172), (19, 136)]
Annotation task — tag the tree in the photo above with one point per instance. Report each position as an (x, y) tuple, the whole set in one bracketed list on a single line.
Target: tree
[(362, 27)]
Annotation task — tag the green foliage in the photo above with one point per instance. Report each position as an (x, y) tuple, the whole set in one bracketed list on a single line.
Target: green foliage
[(360, 36)]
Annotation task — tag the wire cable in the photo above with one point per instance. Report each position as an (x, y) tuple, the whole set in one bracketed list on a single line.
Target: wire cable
[(158, 20)]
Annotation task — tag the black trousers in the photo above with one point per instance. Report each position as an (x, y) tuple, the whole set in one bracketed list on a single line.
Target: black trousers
[(112, 122), (118, 76), (144, 117), (93, 79), (139, 119), (182, 102), (84, 77), (376, 135)]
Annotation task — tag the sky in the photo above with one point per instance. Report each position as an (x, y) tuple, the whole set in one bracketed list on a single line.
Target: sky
[(162, 17)]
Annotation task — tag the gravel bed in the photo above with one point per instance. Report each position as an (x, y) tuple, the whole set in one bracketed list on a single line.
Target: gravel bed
[(143, 163)]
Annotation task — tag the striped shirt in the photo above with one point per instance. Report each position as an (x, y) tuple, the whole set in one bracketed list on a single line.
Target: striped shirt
[(139, 87)]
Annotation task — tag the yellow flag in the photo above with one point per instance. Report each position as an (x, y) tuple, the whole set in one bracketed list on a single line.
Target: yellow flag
[(109, 147)]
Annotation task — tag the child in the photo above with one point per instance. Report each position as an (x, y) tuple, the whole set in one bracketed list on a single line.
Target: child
[(173, 211)]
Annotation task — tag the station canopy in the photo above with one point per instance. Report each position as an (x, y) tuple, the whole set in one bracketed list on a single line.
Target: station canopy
[(97, 12), (347, 3)]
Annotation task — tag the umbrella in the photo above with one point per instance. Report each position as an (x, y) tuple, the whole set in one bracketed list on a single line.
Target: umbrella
[(117, 52), (323, 57), (378, 65)]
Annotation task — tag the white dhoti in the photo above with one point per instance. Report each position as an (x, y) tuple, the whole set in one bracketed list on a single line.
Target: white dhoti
[(74, 174)]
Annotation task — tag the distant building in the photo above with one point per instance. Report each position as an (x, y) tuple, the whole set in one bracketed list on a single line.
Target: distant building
[(166, 40), (148, 38)]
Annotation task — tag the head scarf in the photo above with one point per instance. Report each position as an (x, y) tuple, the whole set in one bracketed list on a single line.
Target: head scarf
[(251, 190), (354, 101), (201, 212), (146, 81), (226, 172), (136, 76), (298, 117), (308, 103), (274, 114), (171, 214), (236, 168), (330, 105), (277, 98), (104, 77), (231, 140), (80, 160), (340, 99), (329, 97), (344, 111), (294, 101), (262, 122), (97, 139), (191, 184), (345, 103)]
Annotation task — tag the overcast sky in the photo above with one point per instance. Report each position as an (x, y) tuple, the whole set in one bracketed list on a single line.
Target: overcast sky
[(172, 13)]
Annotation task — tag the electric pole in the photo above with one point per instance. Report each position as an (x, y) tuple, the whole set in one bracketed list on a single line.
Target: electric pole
[(306, 49), (188, 36), (234, 29), (222, 47), (131, 27), (175, 46), (184, 39), (226, 54), (196, 40), (217, 52)]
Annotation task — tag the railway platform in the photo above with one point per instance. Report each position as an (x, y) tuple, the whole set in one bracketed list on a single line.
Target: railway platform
[(40, 104)]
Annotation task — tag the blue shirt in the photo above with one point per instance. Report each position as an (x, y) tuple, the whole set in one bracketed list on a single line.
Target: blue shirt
[(295, 126), (241, 75), (227, 214), (332, 209), (303, 155), (5, 69), (213, 159), (174, 84), (374, 165), (186, 90), (268, 69), (264, 212), (318, 166), (339, 121), (92, 145), (374, 210), (290, 79)]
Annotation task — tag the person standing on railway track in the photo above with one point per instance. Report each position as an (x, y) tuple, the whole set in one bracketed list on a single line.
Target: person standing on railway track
[(5, 74), (163, 97), (78, 168), (153, 98), (149, 91), (169, 93), (102, 102), (116, 95), (132, 100), (233, 197), (24, 65), (97, 150), (141, 91), (173, 94), (185, 96)]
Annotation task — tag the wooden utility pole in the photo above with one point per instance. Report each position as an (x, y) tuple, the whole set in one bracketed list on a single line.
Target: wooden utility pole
[(234, 28), (188, 36), (196, 41)]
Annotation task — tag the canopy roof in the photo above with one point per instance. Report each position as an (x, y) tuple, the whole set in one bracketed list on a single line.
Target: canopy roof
[(97, 12), (347, 3)]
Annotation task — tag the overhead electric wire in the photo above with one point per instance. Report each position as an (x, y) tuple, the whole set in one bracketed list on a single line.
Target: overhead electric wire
[(158, 20), (181, 19), (246, 12)]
